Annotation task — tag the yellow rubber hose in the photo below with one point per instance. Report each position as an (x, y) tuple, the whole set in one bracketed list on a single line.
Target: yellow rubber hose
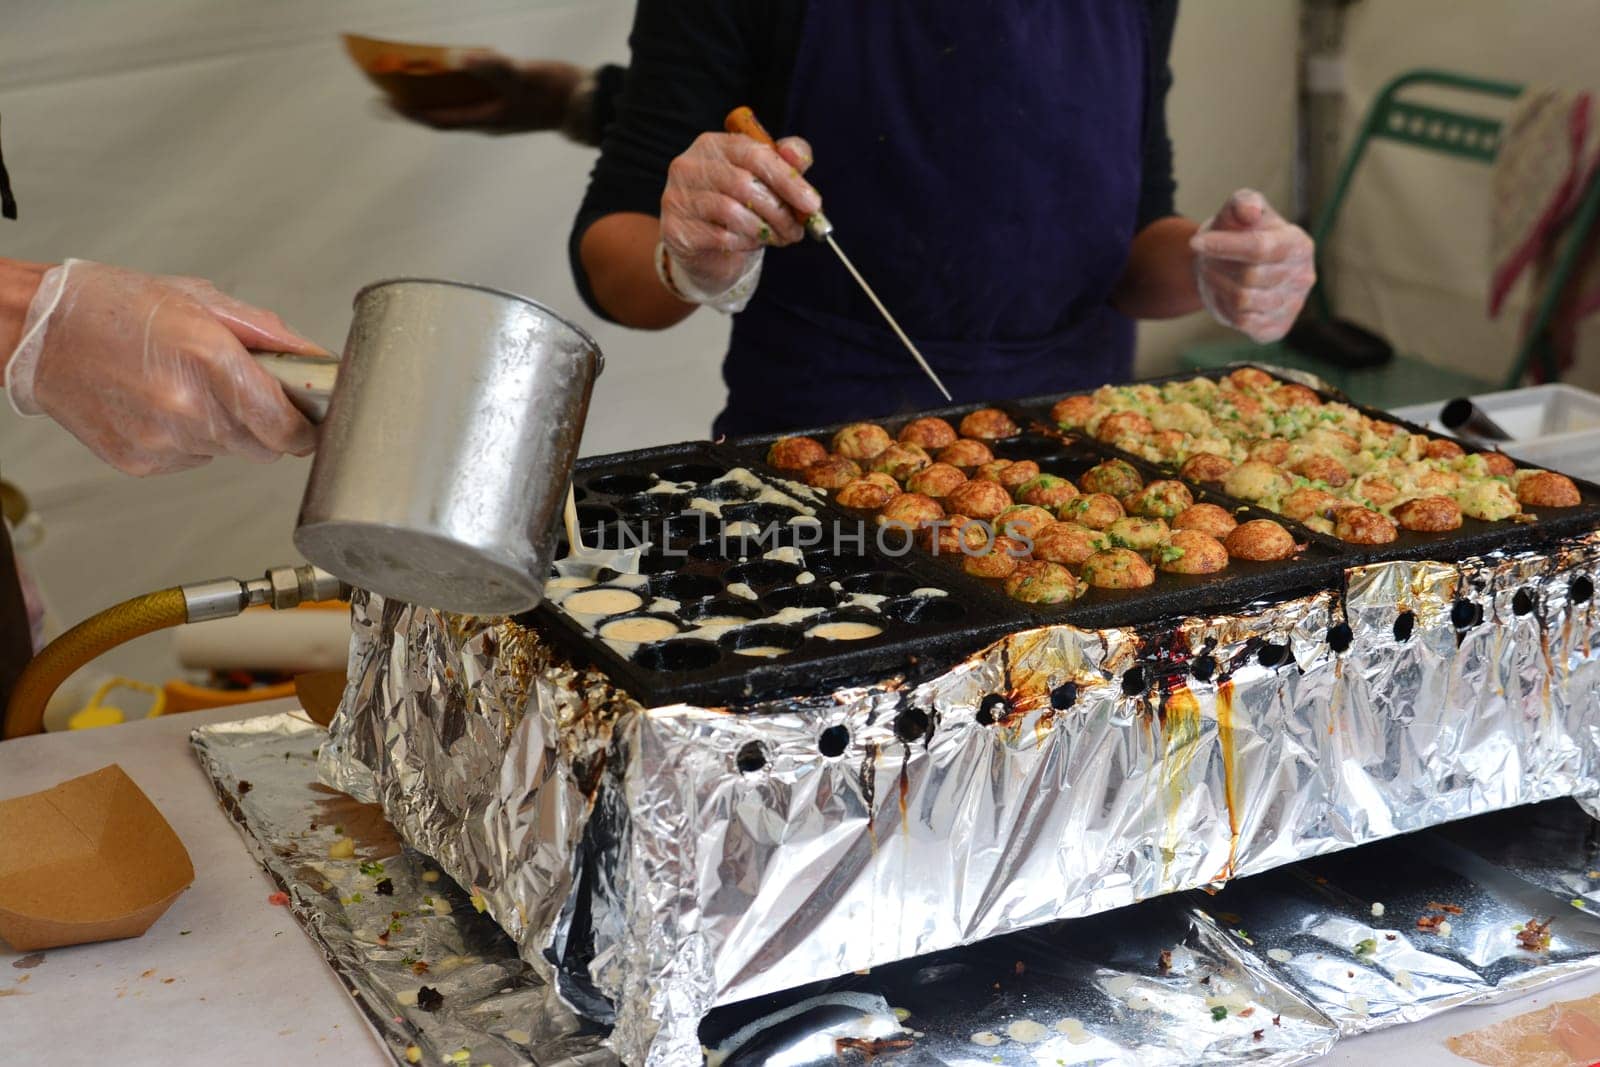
[(94, 635)]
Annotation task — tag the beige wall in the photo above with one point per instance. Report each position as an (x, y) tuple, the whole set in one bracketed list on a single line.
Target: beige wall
[(1411, 255)]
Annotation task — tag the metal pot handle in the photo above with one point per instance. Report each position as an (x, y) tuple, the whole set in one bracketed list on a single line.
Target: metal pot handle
[(307, 381)]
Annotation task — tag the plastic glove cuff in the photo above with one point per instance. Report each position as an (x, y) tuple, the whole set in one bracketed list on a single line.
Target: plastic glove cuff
[(730, 301), (23, 365)]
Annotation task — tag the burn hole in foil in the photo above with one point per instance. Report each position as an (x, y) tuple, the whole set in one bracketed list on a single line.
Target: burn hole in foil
[(1522, 603), (1273, 655), (911, 725), (833, 742), (677, 656), (1464, 614), (1581, 590), (1404, 623), (750, 758), (1133, 681), (1340, 637), (1064, 696), (1203, 667), (992, 708)]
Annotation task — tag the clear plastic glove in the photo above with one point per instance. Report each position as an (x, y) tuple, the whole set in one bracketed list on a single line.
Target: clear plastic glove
[(728, 198), (151, 372), (1254, 267)]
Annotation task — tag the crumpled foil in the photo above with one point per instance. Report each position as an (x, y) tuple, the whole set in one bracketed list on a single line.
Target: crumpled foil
[(1062, 773)]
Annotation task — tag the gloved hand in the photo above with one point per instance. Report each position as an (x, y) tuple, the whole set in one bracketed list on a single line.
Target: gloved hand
[(151, 372), (727, 198), (1254, 267)]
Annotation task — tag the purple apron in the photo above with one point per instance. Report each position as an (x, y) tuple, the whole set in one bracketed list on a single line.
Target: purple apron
[(980, 160)]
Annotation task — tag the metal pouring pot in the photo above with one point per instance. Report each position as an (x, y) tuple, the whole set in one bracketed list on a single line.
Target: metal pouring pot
[(446, 446)]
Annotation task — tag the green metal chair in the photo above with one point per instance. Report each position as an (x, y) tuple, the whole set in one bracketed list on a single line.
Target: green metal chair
[(1407, 380)]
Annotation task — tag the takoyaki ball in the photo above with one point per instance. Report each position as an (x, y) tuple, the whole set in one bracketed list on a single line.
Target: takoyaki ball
[(1206, 467), (795, 453), (1491, 500), (1094, 510), (1165, 499), (1170, 444), (1074, 412), (1255, 480), (1141, 535), (1122, 424), (988, 424), (1498, 464), (999, 559), (861, 440), (1323, 468), (1428, 514), (900, 461), (979, 498), (1068, 543), (955, 536), (1363, 526), (1250, 380), (1306, 503), (1376, 489), (1118, 568), (966, 453), (1439, 448), (1546, 489), (929, 433), (1273, 450), (835, 472), (1114, 477), (866, 494), (1023, 521), (936, 480), (1045, 490), (912, 510), (1291, 395), (1192, 552), (990, 471), (1259, 540), (1017, 474), (1447, 481), (1207, 519), (1039, 582)]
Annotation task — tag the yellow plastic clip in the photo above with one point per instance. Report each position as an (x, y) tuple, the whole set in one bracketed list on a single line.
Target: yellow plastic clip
[(96, 713)]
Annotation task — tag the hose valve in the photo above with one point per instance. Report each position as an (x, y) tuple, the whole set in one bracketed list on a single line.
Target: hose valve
[(281, 588)]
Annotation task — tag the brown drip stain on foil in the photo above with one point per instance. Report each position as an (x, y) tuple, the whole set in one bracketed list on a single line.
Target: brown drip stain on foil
[(903, 786), (869, 1048), (869, 792), (1225, 741), (1179, 712)]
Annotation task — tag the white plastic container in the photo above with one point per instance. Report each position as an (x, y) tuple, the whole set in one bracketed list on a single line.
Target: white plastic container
[(1537, 414)]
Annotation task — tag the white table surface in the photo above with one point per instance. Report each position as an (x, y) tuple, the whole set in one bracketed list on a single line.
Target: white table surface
[(245, 986)]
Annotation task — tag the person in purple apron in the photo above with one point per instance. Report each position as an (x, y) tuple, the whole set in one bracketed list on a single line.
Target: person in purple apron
[(1000, 171)]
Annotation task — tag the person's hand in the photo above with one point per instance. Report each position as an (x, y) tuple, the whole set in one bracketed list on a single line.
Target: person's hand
[(1254, 267), (727, 198), (152, 372), (529, 95)]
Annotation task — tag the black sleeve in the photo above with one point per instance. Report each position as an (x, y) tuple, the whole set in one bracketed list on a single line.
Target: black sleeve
[(1158, 189), (692, 63)]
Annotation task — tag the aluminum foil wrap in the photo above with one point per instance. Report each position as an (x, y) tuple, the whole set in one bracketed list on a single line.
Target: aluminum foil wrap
[(663, 861)]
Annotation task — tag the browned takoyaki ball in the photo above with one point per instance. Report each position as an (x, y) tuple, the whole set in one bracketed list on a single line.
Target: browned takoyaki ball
[(835, 472), (795, 453), (1015, 475), (1068, 543), (990, 471), (1074, 412), (1546, 489), (861, 440), (1274, 450), (1094, 510), (911, 509), (1439, 448), (1261, 540), (1122, 424), (979, 498), (936, 480), (1439, 481), (901, 461), (1302, 504), (868, 493), (1170, 444), (1323, 468), (1363, 526), (998, 560), (1256, 480), (1118, 568), (1141, 535), (1039, 582), (1291, 395), (1045, 490), (966, 453), (1378, 489), (1250, 379), (1206, 467), (1192, 552), (1428, 514), (1164, 499), (1023, 521), (930, 433), (956, 535), (988, 424), (1208, 519), (1498, 464), (1114, 477)]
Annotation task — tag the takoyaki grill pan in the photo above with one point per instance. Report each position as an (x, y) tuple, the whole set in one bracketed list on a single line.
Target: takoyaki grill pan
[(1474, 538)]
